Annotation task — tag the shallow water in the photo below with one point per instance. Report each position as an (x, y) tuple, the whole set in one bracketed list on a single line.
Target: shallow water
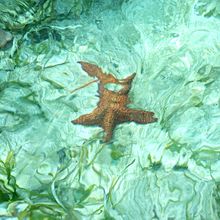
[(51, 168)]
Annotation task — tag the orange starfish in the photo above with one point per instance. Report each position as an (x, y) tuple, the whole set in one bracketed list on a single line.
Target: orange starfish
[(112, 107)]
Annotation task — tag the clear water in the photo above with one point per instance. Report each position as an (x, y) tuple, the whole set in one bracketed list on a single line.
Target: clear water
[(52, 169)]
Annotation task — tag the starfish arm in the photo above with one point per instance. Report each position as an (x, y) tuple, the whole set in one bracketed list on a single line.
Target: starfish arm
[(108, 125), (126, 84), (138, 116), (96, 71), (91, 69), (93, 118)]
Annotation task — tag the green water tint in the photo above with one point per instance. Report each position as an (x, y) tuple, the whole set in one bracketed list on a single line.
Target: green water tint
[(51, 169)]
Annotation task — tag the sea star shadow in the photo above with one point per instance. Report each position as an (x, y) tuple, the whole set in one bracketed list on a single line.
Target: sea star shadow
[(112, 107)]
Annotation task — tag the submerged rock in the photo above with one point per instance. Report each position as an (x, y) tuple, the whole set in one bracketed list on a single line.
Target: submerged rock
[(5, 37)]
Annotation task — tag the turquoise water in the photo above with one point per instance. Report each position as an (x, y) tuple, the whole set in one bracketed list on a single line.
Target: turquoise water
[(52, 169)]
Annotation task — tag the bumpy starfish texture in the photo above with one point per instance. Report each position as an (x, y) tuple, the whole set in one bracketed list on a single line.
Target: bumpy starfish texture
[(112, 107)]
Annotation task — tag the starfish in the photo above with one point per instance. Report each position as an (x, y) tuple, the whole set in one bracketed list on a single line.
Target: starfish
[(112, 107)]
